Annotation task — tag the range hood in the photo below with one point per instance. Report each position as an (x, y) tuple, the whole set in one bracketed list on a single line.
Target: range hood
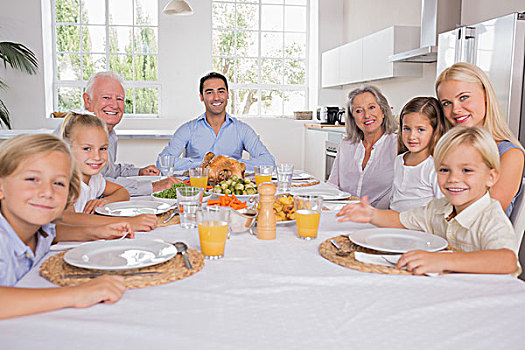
[(448, 12)]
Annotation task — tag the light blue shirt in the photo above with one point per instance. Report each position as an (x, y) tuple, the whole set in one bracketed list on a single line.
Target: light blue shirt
[(197, 138), (16, 258)]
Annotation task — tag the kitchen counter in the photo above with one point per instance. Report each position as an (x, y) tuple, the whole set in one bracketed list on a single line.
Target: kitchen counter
[(122, 134), (326, 127)]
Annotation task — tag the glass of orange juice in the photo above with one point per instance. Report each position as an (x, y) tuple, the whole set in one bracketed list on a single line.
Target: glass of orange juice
[(213, 231), (263, 173), (307, 215), (199, 177)]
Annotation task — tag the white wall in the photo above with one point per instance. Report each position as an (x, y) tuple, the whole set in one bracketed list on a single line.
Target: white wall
[(363, 17), (475, 11)]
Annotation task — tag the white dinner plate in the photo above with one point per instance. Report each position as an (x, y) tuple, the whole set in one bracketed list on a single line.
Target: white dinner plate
[(285, 222), (133, 208), (396, 240), (151, 178), (120, 255), (297, 175), (326, 193)]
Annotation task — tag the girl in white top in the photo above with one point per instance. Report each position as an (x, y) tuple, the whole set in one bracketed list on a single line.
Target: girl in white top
[(422, 124), (88, 137)]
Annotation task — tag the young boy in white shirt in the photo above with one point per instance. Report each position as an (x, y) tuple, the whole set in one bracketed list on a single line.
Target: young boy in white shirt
[(467, 164)]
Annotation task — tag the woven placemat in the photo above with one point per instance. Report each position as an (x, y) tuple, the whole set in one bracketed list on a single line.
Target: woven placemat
[(172, 270), (161, 217), (328, 251)]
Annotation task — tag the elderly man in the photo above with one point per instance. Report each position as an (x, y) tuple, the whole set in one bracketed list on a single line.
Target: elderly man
[(105, 97), (216, 131)]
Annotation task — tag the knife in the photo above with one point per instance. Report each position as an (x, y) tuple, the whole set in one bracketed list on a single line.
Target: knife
[(94, 275)]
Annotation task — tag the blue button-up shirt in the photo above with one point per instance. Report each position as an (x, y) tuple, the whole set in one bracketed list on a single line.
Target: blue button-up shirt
[(197, 138), (16, 258)]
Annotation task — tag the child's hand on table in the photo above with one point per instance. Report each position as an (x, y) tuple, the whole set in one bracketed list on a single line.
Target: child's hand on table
[(420, 262), (105, 289), (90, 206), (143, 222), (112, 231), (357, 212)]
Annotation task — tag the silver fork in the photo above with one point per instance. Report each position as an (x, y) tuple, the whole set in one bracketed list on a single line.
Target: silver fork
[(340, 251)]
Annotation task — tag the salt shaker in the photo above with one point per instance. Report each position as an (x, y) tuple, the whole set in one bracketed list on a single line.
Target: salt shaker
[(266, 218)]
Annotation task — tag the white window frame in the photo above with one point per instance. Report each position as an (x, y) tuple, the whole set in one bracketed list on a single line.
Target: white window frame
[(128, 84), (263, 86)]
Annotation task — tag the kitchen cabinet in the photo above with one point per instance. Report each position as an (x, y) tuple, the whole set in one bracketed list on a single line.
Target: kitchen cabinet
[(330, 68), (314, 152), (367, 58), (351, 62), (379, 46)]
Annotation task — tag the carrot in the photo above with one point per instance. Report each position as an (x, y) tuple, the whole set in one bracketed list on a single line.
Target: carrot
[(214, 202), (235, 198), (186, 182)]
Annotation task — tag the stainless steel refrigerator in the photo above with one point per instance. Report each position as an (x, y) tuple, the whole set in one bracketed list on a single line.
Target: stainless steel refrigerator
[(498, 47)]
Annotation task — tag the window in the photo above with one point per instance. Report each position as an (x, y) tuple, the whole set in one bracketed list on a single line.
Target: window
[(261, 47), (117, 35)]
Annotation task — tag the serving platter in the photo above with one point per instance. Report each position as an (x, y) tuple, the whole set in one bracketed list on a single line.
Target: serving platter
[(120, 255), (394, 240), (133, 208)]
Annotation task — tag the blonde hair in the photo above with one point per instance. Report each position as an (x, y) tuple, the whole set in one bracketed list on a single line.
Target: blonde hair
[(16, 150), (389, 125), (494, 120), (430, 108), (476, 136), (74, 120)]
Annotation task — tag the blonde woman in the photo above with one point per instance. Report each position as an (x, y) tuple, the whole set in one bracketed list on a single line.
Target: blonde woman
[(468, 99)]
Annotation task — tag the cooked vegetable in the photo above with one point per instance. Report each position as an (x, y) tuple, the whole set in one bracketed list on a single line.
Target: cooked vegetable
[(235, 185), (227, 201), (171, 193)]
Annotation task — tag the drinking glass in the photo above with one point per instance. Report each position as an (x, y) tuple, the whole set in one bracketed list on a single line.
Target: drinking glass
[(199, 177), (263, 173), (213, 231), (166, 164), (189, 200), (307, 214), (284, 177)]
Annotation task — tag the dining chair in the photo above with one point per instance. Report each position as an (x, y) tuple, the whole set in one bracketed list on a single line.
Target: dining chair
[(517, 217)]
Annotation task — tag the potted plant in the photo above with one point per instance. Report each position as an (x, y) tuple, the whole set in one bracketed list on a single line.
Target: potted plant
[(19, 57)]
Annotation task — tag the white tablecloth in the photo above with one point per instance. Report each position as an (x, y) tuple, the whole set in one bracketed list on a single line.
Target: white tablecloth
[(282, 294)]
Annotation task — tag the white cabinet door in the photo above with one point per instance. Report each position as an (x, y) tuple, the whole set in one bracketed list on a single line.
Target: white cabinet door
[(351, 62), (376, 49), (314, 152), (330, 68)]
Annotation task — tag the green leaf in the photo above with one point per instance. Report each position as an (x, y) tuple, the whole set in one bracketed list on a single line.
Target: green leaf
[(4, 115), (18, 56)]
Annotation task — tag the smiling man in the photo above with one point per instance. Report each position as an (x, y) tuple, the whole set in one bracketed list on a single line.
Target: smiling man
[(216, 131), (105, 97)]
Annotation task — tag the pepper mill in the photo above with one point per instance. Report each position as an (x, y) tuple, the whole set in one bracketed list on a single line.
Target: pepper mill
[(266, 218)]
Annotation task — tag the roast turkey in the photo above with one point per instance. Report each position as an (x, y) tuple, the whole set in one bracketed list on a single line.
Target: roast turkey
[(222, 167)]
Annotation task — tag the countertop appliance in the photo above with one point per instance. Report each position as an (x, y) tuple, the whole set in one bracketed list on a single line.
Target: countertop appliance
[(497, 46), (330, 115)]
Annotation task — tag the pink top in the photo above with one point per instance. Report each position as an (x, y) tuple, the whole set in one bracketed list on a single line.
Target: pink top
[(375, 180)]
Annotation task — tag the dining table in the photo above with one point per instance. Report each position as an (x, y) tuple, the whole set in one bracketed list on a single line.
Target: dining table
[(283, 294)]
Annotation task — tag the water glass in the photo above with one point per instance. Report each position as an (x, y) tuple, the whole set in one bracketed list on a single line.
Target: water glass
[(263, 173), (166, 164), (213, 231), (199, 177), (307, 214), (189, 200), (284, 177)]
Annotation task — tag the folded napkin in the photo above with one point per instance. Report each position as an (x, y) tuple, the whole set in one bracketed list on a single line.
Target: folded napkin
[(389, 260)]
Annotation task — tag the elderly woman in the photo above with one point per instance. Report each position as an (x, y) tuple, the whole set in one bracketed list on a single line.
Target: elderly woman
[(364, 165)]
